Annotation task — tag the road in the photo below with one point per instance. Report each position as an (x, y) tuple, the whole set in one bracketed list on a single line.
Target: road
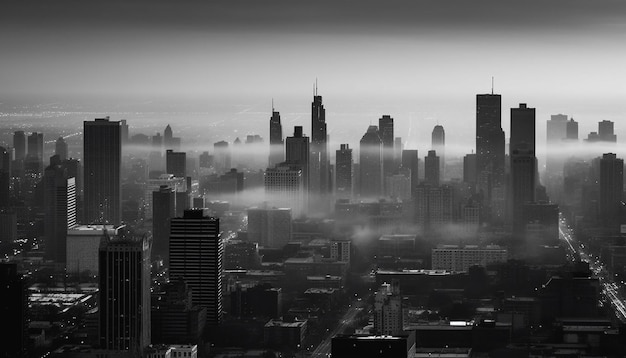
[(610, 289), (323, 349)]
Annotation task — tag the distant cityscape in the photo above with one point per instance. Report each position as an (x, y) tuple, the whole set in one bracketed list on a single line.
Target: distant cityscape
[(136, 245)]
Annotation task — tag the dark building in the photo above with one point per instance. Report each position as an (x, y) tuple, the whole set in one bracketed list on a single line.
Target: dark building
[(469, 168), (438, 143), (163, 210), (611, 190), (522, 128), (258, 301), (35, 145), (490, 143), (124, 131), (343, 171), (319, 177), (297, 153), (523, 180), (175, 319), (124, 291), (60, 148), (5, 177), (13, 308), (431, 168), (373, 346), (606, 131), (221, 156), (410, 161), (571, 130), (196, 251), (176, 163), (205, 160), (19, 144), (102, 164), (60, 211), (371, 163), (385, 130), (277, 149)]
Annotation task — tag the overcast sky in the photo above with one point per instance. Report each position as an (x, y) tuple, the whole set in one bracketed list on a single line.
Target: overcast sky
[(416, 59)]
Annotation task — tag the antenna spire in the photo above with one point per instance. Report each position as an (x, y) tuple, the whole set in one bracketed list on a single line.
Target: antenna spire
[(491, 84), (316, 86), (272, 104)]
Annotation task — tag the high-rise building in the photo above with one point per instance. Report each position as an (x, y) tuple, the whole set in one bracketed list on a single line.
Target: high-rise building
[(439, 146), (398, 184), (434, 206), (19, 144), (469, 168), (83, 243), (490, 144), (60, 148), (163, 210), (14, 311), (102, 156), (397, 152), (178, 184), (572, 130), (388, 310), (297, 153), (410, 161), (606, 131), (124, 291), (35, 145), (277, 149), (221, 156), (371, 163), (343, 171), (556, 132), (340, 250), (523, 179), (5, 176), (176, 163), (611, 190), (284, 188), (385, 130), (431, 168), (169, 141), (522, 127), (196, 252), (270, 227), (319, 167), (60, 211), (457, 258)]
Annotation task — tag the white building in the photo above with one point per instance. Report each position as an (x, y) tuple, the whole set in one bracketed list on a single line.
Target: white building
[(83, 242), (457, 258)]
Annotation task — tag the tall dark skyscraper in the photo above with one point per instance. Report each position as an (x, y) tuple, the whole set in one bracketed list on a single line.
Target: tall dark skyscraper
[(5, 176), (60, 148), (60, 210), (371, 164), (14, 310), (410, 160), (297, 153), (124, 291), (163, 210), (490, 144), (522, 127), (469, 168), (385, 128), (102, 145), (196, 252), (343, 171), (19, 144), (572, 130), (35, 145), (611, 191), (438, 143), (176, 163), (319, 168), (523, 180), (606, 131), (432, 175), (277, 148)]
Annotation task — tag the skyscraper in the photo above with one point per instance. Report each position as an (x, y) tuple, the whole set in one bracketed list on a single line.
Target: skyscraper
[(343, 171), (284, 187), (439, 145), (611, 190), (297, 153), (523, 180), (606, 131), (431, 168), (277, 149), (522, 127), (60, 148), (35, 145), (102, 164), (196, 251), (371, 163), (221, 156), (124, 293), (270, 227), (556, 132), (385, 130), (19, 143), (469, 168), (319, 170), (410, 161), (60, 211), (124, 131), (490, 144), (176, 163), (572, 130), (14, 310), (163, 210), (5, 176)]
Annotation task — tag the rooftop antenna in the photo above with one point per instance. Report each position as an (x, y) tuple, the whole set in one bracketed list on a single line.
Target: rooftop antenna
[(491, 84), (272, 104), (316, 86)]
